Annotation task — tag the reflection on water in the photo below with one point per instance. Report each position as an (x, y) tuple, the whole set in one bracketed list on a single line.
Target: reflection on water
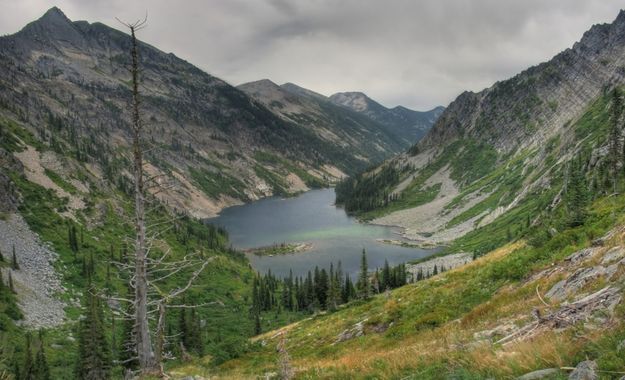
[(312, 218)]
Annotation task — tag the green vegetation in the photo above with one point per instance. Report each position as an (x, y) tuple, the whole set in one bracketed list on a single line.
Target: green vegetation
[(449, 306), (284, 167), (217, 183), (371, 194), (89, 246), (60, 182)]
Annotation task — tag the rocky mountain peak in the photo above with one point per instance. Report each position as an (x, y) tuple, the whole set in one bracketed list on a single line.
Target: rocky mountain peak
[(600, 36), (53, 25), (355, 100)]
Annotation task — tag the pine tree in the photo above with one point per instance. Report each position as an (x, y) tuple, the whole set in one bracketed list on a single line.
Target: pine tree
[(28, 367), (11, 286), (14, 264), (41, 370), (257, 327), (386, 276), (363, 285), (93, 350), (334, 292)]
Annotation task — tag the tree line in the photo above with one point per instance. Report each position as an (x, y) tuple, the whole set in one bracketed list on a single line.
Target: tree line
[(321, 289)]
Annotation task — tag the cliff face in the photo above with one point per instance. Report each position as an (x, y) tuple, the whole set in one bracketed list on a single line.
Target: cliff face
[(536, 104)]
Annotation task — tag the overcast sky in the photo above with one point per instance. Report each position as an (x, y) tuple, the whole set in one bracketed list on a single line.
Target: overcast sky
[(415, 53)]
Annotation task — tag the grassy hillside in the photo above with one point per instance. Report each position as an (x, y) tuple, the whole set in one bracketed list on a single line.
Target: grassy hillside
[(448, 326)]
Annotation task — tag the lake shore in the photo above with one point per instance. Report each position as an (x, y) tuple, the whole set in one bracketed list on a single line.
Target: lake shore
[(409, 244)]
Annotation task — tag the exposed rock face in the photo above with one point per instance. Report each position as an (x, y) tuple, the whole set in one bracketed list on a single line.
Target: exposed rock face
[(441, 263), (36, 281), (572, 284), (533, 106), (354, 332), (406, 123), (512, 127)]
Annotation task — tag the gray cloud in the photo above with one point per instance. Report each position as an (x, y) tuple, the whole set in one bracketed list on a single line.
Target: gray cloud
[(416, 53)]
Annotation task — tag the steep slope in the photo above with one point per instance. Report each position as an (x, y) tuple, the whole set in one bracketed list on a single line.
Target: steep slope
[(336, 125), (67, 81), (490, 152), (517, 310), (406, 123), (55, 193)]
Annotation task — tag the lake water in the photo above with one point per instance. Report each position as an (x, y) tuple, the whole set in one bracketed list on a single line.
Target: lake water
[(310, 218)]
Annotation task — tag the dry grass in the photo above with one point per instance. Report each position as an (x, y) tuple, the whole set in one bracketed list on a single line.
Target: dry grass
[(315, 354)]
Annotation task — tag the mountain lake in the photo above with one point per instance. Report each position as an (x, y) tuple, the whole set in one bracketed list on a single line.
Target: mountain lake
[(324, 232)]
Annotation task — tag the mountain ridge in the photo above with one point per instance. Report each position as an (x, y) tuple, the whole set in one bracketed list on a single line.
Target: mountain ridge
[(299, 104), (73, 73)]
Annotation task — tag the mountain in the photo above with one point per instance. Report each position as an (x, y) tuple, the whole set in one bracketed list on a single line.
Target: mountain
[(395, 129), (494, 151), (331, 123), (521, 187), (67, 82), (410, 125)]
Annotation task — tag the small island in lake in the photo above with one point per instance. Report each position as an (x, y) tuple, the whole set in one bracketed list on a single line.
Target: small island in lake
[(280, 249)]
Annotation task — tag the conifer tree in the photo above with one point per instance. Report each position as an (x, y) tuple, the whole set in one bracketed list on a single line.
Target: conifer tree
[(93, 350), (28, 366), (11, 286), (363, 278), (41, 370), (14, 264), (386, 275)]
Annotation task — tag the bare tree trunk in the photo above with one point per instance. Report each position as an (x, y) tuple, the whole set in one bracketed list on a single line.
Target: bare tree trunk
[(145, 350), (160, 334)]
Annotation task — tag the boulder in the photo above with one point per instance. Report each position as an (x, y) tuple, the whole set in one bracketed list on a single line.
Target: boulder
[(540, 374), (585, 371), (575, 282)]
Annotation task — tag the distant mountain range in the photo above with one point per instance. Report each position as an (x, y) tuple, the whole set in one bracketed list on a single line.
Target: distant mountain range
[(410, 125), (346, 115)]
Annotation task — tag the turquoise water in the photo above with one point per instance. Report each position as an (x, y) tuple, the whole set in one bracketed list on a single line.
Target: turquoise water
[(310, 218)]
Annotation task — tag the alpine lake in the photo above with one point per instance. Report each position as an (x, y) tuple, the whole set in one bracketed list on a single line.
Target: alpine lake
[(296, 234)]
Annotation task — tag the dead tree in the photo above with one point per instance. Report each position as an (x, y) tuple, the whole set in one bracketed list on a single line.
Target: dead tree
[(146, 273)]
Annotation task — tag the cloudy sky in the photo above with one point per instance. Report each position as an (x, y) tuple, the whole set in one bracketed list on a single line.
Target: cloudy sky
[(416, 53)]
